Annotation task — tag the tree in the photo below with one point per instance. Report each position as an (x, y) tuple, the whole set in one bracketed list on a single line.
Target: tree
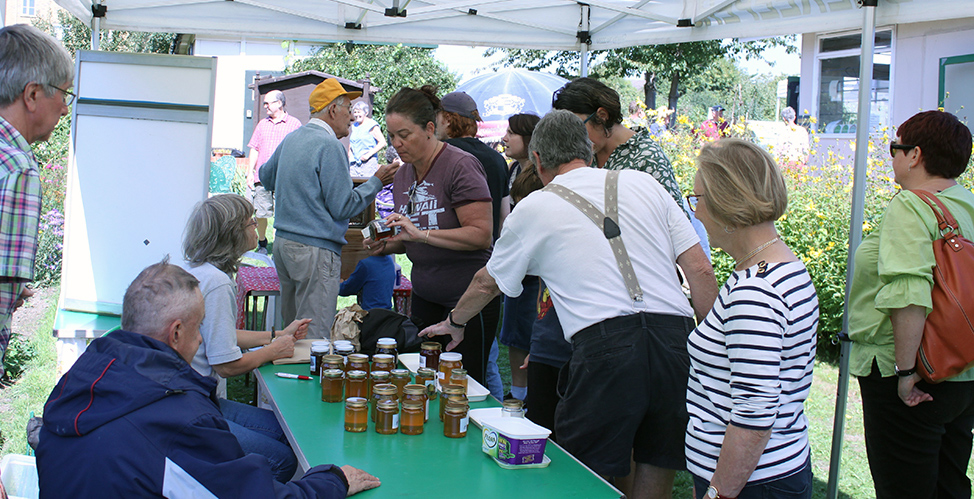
[(390, 68), (76, 35), (675, 63)]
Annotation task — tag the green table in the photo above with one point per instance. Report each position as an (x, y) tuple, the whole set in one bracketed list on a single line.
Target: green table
[(423, 466)]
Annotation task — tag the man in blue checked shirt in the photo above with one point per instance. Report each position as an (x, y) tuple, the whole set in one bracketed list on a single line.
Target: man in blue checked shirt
[(36, 74)]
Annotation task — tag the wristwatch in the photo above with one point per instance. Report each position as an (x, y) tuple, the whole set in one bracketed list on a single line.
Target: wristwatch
[(453, 323), (904, 372), (713, 493)]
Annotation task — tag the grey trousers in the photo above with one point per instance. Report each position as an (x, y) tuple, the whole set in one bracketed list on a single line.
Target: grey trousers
[(310, 277)]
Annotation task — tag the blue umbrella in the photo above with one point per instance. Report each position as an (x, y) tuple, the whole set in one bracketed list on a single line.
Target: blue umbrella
[(505, 93)]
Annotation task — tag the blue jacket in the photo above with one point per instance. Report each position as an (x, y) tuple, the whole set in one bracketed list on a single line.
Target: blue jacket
[(375, 278), (133, 419)]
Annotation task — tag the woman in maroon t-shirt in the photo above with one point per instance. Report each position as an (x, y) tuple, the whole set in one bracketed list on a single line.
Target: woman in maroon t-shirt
[(443, 210)]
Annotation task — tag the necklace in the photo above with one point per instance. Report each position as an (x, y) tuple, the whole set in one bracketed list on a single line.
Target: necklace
[(756, 251)]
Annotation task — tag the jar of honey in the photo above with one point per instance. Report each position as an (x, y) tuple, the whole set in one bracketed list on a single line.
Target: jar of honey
[(387, 417), (380, 393), (356, 414), (512, 408), (448, 393), (318, 350), (358, 362), (343, 348), (448, 362), (379, 378), (455, 420), (429, 355), (417, 393), (332, 385), (459, 377), (357, 384), (332, 362), (412, 418), (427, 377), (383, 362), (387, 346), (400, 378)]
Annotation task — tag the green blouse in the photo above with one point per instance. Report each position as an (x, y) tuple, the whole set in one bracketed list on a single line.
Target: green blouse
[(894, 269)]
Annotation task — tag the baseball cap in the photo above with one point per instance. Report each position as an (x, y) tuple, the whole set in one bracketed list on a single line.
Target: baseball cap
[(327, 91), (460, 103), (718, 107)]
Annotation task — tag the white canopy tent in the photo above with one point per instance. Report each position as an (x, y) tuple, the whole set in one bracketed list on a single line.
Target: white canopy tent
[(536, 24), (544, 24)]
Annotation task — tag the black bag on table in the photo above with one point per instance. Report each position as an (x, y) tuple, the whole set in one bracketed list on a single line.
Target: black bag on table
[(384, 323)]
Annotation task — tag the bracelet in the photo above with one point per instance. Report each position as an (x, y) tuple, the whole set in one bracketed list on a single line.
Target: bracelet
[(453, 323), (427, 241), (904, 372)]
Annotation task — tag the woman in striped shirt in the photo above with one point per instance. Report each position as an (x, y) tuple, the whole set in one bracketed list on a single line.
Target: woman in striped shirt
[(751, 358)]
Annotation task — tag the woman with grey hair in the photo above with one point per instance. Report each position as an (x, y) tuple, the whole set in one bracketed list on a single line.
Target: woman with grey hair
[(793, 143), (751, 358), (219, 231), (365, 140)]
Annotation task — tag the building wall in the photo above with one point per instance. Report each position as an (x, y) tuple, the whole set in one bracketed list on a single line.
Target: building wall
[(914, 84), (13, 11)]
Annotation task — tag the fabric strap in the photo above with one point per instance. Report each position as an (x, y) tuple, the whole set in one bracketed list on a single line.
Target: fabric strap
[(608, 223)]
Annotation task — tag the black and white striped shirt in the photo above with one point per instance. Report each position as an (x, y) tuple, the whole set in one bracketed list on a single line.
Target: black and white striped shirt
[(751, 366)]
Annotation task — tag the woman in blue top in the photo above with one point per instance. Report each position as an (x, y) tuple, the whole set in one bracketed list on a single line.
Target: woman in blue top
[(918, 435)]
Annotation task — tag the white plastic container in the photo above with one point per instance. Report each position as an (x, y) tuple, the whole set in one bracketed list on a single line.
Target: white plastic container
[(514, 441), (19, 474)]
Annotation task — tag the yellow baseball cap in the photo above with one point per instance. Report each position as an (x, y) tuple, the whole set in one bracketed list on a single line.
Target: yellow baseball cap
[(328, 91)]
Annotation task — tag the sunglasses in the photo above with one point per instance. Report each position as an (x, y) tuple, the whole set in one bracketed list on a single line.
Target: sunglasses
[(692, 200), (411, 205), (893, 146)]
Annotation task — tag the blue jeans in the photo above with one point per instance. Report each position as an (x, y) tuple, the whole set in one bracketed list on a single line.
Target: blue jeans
[(795, 486), (258, 432), (494, 382)]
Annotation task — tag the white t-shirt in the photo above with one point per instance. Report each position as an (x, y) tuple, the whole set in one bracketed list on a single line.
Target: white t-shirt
[(219, 326), (548, 237)]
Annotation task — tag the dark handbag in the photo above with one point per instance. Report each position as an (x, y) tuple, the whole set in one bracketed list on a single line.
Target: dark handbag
[(383, 323), (947, 347)]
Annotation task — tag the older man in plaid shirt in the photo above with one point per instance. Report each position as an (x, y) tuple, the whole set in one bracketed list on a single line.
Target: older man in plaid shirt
[(36, 74)]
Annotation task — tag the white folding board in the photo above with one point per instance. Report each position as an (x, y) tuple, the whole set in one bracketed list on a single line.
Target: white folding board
[(140, 153)]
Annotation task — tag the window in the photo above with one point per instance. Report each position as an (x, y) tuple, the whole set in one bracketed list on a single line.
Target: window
[(27, 8), (838, 82)]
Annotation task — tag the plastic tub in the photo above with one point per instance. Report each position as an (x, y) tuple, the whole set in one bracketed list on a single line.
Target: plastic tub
[(514, 441), (19, 474)]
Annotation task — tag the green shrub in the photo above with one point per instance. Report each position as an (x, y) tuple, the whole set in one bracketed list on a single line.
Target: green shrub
[(816, 225), (20, 353)]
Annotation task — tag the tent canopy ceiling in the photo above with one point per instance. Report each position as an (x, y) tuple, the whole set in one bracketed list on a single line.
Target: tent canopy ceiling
[(536, 24)]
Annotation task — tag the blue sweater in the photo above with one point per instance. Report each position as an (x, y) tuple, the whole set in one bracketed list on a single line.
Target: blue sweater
[(375, 278), (132, 419), (313, 189)]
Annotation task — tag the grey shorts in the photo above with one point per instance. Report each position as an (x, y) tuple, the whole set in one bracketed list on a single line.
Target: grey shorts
[(262, 199)]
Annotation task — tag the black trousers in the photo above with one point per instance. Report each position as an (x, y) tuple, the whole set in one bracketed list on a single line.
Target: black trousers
[(478, 336), (918, 452), (542, 395)]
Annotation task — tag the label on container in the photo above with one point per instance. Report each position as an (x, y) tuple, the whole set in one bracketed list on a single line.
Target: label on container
[(426, 414), (422, 361), (430, 390), (314, 363), (395, 421), (463, 423)]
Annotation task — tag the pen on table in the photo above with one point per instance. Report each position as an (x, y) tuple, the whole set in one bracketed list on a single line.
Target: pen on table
[(293, 376)]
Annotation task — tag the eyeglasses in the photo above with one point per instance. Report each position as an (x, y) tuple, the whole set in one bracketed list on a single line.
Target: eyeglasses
[(893, 146), (252, 223), (590, 117), (69, 96), (412, 199), (692, 200)]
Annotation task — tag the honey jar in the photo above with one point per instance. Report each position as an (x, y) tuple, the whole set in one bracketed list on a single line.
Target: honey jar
[(448, 393), (429, 355), (427, 377), (380, 393), (358, 362), (357, 384), (512, 408), (318, 350), (379, 378), (459, 377), (387, 346), (455, 420), (356, 414), (343, 348), (417, 393), (412, 418), (332, 385), (332, 362), (448, 362), (383, 362), (400, 378), (387, 417)]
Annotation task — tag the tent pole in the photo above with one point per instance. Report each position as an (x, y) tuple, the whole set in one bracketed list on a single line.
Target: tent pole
[(584, 37), (95, 28), (855, 235)]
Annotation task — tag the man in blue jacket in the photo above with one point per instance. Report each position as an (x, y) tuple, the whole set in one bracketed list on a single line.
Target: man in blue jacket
[(132, 418)]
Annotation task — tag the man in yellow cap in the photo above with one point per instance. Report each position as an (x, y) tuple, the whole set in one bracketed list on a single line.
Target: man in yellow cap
[(309, 176)]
